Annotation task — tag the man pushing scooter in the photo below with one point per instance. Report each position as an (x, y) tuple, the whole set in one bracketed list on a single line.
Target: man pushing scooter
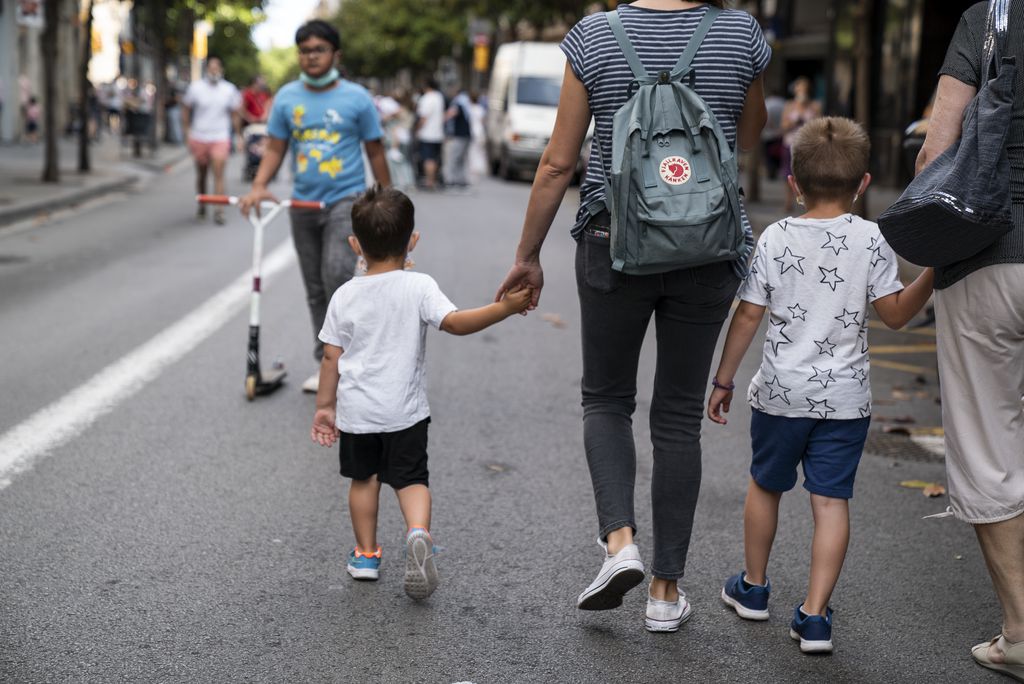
[(326, 121)]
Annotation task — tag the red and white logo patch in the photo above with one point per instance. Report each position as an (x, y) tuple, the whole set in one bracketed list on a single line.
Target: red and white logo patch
[(675, 170)]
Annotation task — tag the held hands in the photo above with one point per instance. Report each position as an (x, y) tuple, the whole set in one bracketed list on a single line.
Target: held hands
[(527, 275), (718, 404), (517, 300), (253, 199), (324, 431)]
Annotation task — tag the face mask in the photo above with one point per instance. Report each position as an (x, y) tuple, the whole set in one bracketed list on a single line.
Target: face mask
[(325, 80)]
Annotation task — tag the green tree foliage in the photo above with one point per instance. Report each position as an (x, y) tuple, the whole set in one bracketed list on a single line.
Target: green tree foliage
[(231, 40), (279, 66)]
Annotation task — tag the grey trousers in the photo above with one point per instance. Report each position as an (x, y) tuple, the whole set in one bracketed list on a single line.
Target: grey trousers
[(689, 307), (325, 258), (456, 160)]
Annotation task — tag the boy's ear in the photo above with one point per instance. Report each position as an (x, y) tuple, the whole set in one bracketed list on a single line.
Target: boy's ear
[(353, 242), (864, 183), (413, 239), (797, 192)]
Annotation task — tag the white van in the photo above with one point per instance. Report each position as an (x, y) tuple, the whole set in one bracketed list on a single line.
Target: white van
[(521, 105)]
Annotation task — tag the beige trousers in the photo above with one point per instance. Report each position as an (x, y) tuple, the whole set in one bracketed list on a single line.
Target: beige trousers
[(980, 325)]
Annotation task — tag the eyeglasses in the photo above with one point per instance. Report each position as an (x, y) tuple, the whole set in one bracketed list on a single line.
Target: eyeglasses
[(318, 50)]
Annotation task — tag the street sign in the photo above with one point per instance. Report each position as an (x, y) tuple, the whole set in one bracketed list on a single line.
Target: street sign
[(30, 14)]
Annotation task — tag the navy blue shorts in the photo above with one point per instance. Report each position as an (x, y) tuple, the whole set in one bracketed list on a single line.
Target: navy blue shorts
[(430, 151), (830, 451)]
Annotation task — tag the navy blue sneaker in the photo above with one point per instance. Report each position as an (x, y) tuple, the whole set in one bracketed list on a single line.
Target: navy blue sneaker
[(749, 603), (812, 631)]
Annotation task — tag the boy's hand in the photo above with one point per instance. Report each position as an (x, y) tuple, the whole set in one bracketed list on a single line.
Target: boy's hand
[(518, 300), (324, 431), (718, 404)]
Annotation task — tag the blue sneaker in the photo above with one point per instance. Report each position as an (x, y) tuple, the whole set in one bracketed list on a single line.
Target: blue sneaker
[(749, 604), (812, 631), (364, 566)]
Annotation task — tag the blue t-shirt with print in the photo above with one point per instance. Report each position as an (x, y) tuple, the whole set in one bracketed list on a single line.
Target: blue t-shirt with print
[(325, 131)]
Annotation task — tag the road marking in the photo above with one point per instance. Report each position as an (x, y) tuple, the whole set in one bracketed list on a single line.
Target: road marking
[(924, 332), (903, 349), (905, 367), (66, 418)]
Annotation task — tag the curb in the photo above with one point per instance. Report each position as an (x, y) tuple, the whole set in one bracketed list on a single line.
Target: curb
[(67, 199)]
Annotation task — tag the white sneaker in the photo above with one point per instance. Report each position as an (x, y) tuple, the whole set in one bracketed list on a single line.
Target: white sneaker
[(312, 384), (421, 578), (619, 574), (667, 616)]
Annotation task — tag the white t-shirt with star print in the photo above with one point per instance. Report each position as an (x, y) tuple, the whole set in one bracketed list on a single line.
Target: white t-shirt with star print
[(818, 277)]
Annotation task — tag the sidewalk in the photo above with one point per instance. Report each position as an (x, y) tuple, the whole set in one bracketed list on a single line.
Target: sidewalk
[(23, 195)]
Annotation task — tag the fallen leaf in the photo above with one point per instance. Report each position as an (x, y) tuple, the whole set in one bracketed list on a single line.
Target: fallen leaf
[(923, 394), (900, 395), (896, 430), (958, 557), (554, 319), (933, 490), (904, 420), (915, 484), (496, 468)]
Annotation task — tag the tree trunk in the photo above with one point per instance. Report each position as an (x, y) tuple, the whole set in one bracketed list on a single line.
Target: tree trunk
[(159, 111), (49, 46), (84, 115)]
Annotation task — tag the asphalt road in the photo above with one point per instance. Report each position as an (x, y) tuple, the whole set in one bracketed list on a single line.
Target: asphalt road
[(184, 534)]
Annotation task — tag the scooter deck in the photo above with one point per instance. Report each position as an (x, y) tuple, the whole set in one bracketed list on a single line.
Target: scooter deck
[(270, 380)]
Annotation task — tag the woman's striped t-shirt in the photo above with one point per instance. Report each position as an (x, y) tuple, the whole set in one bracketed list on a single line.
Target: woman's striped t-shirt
[(732, 55)]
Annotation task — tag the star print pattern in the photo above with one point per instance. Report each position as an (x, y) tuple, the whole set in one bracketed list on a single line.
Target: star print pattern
[(830, 276), (836, 242), (777, 391), (820, 407), (825, 348), (799, 313), (788, 261), (814, 360), (780, 336), (822, 376), (849, 318)]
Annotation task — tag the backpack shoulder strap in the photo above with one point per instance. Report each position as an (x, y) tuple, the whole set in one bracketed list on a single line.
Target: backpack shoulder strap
[(619, 31), (683, 65)]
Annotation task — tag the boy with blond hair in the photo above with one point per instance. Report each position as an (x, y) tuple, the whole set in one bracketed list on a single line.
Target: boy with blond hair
[(372, 397), (811, 398)]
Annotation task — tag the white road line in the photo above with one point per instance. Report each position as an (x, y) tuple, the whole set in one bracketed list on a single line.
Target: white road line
[(66, 418)]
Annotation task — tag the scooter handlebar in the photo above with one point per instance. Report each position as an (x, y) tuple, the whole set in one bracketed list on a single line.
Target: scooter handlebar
[(232, 200)]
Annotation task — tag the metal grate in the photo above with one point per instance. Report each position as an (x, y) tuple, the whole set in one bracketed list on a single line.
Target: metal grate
[(900, 447)]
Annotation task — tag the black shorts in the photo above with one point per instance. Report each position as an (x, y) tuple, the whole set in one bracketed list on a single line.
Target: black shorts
[(398, 458), (430, 151)]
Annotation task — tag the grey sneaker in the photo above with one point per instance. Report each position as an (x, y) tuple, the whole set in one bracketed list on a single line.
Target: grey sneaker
[(421, 578), (312, 384), (667, 616), (619, 574)]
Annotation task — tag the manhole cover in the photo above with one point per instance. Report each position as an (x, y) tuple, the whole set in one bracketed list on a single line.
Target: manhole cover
[(900, 447)]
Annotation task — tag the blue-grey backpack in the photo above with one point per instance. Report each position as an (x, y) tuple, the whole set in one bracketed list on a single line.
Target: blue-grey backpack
[(673, 192)]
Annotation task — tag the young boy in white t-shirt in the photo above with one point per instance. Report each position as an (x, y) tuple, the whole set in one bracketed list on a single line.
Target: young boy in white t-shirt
[(811, 397), (373, 396)]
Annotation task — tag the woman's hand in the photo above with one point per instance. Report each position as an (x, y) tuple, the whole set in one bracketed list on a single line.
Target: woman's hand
[(523, 274)]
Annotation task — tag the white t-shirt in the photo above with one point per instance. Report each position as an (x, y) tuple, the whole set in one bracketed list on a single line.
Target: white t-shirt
[(380, 322), (211, 105), (817, 278), (430, 108)]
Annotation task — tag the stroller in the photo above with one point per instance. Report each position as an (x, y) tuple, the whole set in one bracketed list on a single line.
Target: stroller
[(254, 138)]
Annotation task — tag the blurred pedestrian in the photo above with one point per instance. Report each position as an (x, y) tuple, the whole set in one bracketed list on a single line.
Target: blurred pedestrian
[(256, 101), (210, 114), (478, 146), (458, 123), (430, 114), (173, 133), (33, 113), (689, 305), (979, 306), (771, 136), (327, 122), (797, 111)]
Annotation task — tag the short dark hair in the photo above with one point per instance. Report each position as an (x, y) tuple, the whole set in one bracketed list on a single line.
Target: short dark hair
[(318, 29), (383, 220), (830, 157)]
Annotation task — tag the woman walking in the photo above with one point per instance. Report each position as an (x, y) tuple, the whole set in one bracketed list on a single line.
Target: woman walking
[(688, 305)]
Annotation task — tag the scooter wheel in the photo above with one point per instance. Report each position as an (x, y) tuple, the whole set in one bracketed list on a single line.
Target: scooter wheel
[(250, 387)]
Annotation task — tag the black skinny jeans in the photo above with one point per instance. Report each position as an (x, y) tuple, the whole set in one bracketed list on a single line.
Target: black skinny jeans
[(689, 307)]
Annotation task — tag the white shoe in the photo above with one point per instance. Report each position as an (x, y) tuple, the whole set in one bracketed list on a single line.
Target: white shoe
[(619, 574), (312, 384), (667, 616), (421, 578)]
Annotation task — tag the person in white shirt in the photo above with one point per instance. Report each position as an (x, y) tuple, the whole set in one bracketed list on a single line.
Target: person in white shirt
[(210, 113), (430, 113), (372, 396), (811, 399)]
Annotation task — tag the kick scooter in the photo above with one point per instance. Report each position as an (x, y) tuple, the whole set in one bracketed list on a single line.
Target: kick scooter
[(257, 382)]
